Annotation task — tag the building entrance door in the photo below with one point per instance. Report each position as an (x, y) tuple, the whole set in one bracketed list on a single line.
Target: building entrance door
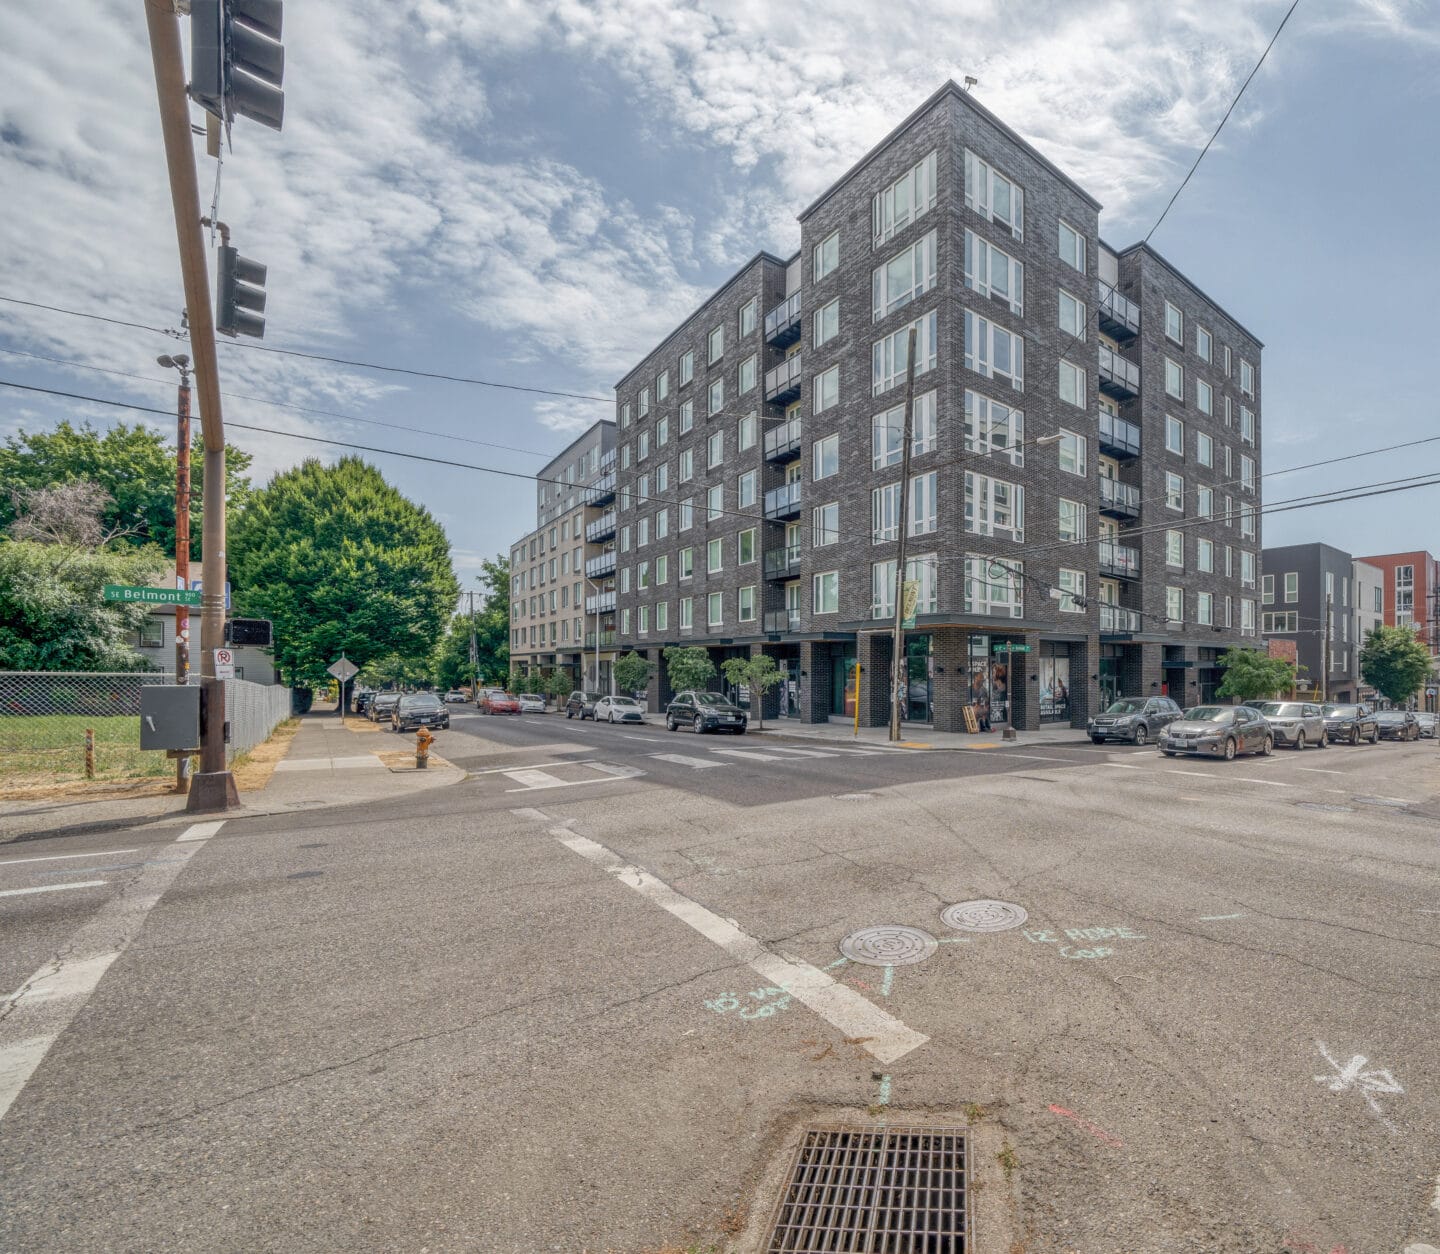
[(920, 690)]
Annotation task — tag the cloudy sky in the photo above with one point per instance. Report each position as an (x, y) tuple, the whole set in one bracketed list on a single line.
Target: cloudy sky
[(533, 191)]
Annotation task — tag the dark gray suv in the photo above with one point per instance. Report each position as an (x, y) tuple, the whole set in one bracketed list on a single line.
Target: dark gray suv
[(1135, 719)]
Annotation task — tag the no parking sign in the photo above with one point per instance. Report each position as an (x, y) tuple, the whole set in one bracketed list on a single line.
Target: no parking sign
[(224, 664)]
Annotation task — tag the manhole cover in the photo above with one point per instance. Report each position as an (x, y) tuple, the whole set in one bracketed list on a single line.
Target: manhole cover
[(855, 1190), (1324, 807), (984, 916), (304, 875), (890, 945)]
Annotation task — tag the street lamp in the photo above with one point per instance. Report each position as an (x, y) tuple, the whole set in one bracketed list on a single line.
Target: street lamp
[(181, 362)]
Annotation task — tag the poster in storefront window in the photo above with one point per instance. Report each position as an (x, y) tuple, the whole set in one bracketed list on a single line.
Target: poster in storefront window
[(1055, 689)]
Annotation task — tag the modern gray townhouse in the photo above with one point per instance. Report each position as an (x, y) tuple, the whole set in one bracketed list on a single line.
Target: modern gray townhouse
[(1083, 516)]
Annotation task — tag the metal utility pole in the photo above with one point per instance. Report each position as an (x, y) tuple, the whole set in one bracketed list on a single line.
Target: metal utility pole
[(899, 683), (1326, 651), (213, 788), (181, 362)]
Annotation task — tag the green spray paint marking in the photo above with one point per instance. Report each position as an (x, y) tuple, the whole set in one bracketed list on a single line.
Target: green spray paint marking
[(887, 982)]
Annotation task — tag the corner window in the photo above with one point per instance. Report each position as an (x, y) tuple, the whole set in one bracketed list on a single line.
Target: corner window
[(747, 315), (1174, 324), (896, 206), (992, 428), (687, 366), (1174, 379), (827, 389), (827, 322), (903, 278), (717, 344), (993, 196), (1174, 436), (1072, 452), (1072, 315), (1072, 246), (1072, 384), (826, 593), (890, 355), (826, 257), (747, 374), (994, 273), (825, 457)]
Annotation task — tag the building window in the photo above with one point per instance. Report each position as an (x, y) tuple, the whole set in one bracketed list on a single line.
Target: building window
[(1174, 492), (1072, 384), (994, 587), (1203, 344), (1072, 246), (1204, 449), (717, 395), (745, 547), (910, 196), (1204, 397), (644, 401), (1174, 379), (747, 315), (1072, 315), (687, 416), (715, 555), (1205, 608), (1247, 616), (745, 432), (1247, 473), (747, 375), (642, 576), (716, 344), (887, 431), (827, 322), (885, 513), (1284, 621), (994, 273), (715, 609), (715, 449), (1072, 591), (992, 351), (924, 509), (642, 533), (825, 524), (991, 427), (1247, 568), (826, 256), (889, 358), (687, 465), (825, 457), (662, 616), (662, 385), (1247, 425), (687, 613), (745, 604), (1174, 324), (1071, 452), (687, 513), (906, 276), (1072, 521), (714, 502), (1174, 436), (1247, 521), (624, 415), (994, 197), (687, 563), (1247, 378), (662, 569), (1174, 606), (827, 389), (746, 487), (1292, 586), (1267, 590), (687, 366), (825, 593), (994, 507), (151, 632), (1175, 549), (882, 589), (642, 446)]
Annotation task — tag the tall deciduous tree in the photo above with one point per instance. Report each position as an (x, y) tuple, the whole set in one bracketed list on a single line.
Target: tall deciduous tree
[(758, 673), (632, 672), (340, 561), (1395, 662), (1251, 674), (688, 667), (492, 633), (135, 465)]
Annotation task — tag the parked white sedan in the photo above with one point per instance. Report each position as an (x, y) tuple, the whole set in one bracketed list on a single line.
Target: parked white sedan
[(531, 703), (619, 710)]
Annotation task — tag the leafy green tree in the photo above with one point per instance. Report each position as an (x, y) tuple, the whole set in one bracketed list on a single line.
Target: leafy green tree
[(688, 667), (340, 561), (632, 672), (451, 661), (1251, 674), (758, 673), (559, 684), (1395, 662), (52, 613), (395, 670), (135, 465)]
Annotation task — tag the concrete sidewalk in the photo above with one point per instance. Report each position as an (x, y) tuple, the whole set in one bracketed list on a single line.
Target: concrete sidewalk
[(911, 736), (329, 763)]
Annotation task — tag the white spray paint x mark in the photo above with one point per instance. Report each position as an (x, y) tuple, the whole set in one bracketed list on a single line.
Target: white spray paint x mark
[(1354, 1076)]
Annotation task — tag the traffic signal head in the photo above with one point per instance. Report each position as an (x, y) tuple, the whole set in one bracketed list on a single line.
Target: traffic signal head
[(239, 295), (237, 61)]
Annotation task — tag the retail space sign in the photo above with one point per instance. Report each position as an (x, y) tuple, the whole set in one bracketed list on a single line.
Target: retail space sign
[(1012, 648), (909, 599)]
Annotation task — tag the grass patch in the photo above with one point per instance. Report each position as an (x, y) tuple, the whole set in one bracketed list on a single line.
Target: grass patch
[(50, 749)]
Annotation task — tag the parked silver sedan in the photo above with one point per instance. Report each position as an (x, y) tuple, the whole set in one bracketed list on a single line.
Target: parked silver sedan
[(1296, 723), (619, 710), (1219, 731)]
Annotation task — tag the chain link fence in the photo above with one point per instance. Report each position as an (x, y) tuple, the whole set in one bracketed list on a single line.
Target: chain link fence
[(44, 716)]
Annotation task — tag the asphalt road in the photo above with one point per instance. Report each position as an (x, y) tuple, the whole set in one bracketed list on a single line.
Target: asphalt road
[(562, 1008)]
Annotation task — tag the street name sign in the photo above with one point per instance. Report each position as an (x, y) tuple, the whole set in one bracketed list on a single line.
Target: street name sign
[(150, 596), (1012, 648)]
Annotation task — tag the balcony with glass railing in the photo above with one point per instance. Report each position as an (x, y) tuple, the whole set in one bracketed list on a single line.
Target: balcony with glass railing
[(601, 603), (601, 529), (1119, 500), (782, 443), (783, 502), (1114, 620), (1119, 561), (782, 383), (607, 639), (782, 324), (602, 490), (780, 621), (601, 564), (782, 563), (1119, 315), (1119, 377), (1118, 438)]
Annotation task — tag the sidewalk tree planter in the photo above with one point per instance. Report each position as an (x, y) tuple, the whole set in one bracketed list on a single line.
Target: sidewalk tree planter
[(759, 674), (632, 672), (688, 667)]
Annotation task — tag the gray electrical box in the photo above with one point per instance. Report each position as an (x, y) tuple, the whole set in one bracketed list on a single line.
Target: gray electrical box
[(170, 717)]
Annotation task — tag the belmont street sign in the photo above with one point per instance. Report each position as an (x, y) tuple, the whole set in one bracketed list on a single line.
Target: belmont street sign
[(150, 596)]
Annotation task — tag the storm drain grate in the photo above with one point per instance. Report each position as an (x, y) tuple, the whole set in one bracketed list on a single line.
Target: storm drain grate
[(873, 1191)]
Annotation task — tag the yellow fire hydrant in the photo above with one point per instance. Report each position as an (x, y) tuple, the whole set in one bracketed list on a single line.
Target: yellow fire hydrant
[(423, 741)]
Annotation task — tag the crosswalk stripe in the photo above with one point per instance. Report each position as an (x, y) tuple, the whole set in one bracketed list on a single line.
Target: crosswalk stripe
[(681, 760), (751, 755), (533, 778), (797, 753)]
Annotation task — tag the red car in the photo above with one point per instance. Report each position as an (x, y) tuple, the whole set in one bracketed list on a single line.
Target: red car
[(495, 701)]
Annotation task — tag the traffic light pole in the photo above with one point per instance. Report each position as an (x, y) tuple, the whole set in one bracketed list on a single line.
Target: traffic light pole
[(213, 788)]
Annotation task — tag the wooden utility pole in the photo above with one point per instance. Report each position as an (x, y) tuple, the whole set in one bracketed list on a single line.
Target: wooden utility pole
[(182, 554), (901, 683), (213, 788)]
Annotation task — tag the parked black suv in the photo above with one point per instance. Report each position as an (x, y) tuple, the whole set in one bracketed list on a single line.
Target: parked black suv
[(705, 711), (582, 703), (420, 709), (1350, 724), (1133, 718)]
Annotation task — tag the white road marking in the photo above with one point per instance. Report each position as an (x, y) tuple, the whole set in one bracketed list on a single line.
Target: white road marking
[(526, 812), (1274, 783), (531, 766), (52, 888), (802, 753), (44, 1006), (1174, 770), (1122, 766), (1318, 770), (1435, 1201), (58, 857), (1035, 757), (681, 760), (652, 740), (534, 781), (749, 755), (887, 1038), (619, 772)]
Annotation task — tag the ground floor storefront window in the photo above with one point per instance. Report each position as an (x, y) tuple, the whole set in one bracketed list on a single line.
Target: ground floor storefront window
[(989, 683), (1110, 655), (1054, 663), (920, 691)]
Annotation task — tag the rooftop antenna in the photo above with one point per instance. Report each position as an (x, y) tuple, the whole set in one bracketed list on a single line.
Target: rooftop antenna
[(971, 82)]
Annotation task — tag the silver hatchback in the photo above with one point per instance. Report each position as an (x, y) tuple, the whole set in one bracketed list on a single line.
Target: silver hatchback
[(1296, 723)]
